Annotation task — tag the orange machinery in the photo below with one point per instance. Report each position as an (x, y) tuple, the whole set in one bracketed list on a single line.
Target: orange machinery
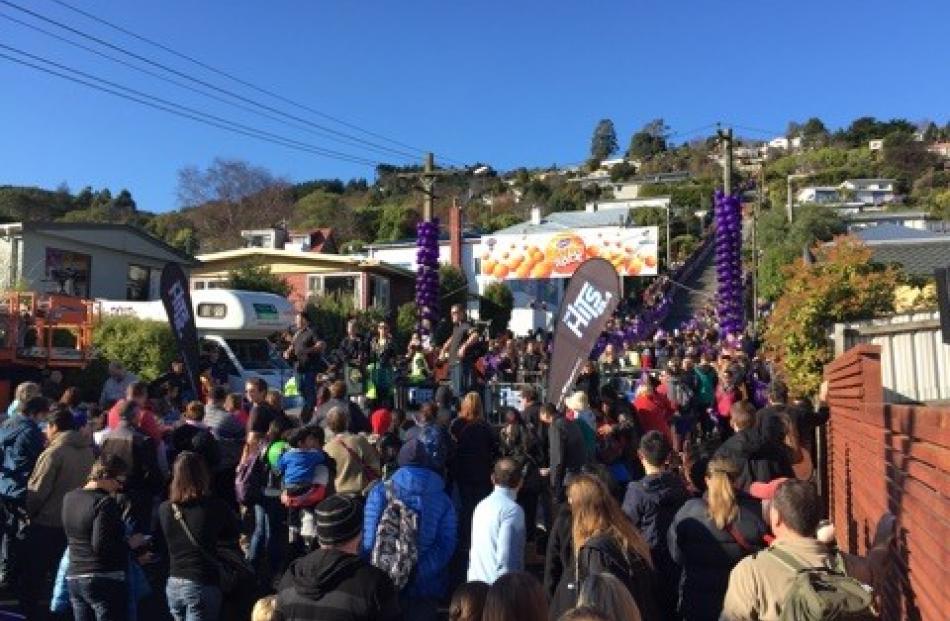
[(43, 330)]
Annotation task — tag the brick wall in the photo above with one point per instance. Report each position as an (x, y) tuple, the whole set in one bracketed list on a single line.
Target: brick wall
[(890, 458)]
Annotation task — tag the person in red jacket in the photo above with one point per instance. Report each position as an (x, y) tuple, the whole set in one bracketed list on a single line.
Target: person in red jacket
[(149, 425), (654, 410)]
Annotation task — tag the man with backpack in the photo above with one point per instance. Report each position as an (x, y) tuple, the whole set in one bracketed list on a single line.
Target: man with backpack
[(798, 577), (410, 530), (333, 583)]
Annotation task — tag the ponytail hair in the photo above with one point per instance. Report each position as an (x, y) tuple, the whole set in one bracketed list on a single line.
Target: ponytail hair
[(722, 507)]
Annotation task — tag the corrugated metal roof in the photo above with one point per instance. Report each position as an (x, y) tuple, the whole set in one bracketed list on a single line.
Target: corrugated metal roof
[(891, 232), (564, 220), (917, 258)]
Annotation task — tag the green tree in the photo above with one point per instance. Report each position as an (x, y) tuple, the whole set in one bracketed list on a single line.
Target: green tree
[(649, 141), (496, 306), (814, 133), (842, 285), (622, 171), (329, 313), (781, 243), (603, 143), (256, 277), (940, 204), (905, 159), (453, 288), (397, 222)]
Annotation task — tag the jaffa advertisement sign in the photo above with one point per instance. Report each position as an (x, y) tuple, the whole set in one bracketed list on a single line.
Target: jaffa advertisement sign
[(631, 250)]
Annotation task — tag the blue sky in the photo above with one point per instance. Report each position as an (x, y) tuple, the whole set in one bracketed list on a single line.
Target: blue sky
[(509, 83)]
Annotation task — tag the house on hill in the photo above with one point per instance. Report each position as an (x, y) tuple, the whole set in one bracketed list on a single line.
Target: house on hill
[(90, 260), (370, 282)]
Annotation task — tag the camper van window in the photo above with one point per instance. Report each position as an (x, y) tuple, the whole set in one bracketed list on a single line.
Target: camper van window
[(200, 284), (255, 354), (215, 311), (136, 284)]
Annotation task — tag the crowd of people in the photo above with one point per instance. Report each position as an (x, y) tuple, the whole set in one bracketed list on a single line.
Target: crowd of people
[(668, 485)]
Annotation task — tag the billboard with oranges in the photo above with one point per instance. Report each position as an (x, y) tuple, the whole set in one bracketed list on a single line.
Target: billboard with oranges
[(631, 250)]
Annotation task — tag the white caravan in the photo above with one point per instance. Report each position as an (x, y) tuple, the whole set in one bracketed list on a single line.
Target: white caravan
[(237, 322)]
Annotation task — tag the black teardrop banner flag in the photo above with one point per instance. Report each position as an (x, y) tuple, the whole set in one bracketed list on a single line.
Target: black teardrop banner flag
[(176, 297), (591, 297)]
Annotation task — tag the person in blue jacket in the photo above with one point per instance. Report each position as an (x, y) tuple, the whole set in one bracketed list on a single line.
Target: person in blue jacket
[(21, 442), (418, 484)]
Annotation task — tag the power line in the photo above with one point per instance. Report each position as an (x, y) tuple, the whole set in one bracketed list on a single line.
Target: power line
[(243, 82), (198, 80), (178, 109), (187, 86)]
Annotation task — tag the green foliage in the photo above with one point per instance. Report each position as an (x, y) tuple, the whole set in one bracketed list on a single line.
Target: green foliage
[(319, 209), (906, 159), (496, 306), (622, 171), (868, 128), (842, 285), (940, 204), (145, 348), (649, 141), (255, 277), (648, 216), (603, 143), (453, 288), (329, 313), (781, 243), (397, 222), (406, 317), (682, 245)]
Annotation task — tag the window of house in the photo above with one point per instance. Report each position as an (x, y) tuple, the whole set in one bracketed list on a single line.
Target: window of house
[(217, 284), (137, 283), (335, 284), (379, 293)]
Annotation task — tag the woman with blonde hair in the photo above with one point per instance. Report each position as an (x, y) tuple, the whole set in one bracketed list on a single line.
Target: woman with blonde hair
[(709, 536), (605, 541), (471, 465), (23, 393)]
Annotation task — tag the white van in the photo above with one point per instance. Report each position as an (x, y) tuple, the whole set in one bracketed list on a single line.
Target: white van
[(237, 322)]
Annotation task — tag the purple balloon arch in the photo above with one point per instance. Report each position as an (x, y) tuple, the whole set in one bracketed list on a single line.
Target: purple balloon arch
[(729, 264), (427, 273)]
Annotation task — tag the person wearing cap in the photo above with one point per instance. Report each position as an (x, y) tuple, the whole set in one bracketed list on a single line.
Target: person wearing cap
[(419, 485), (498, 527), (62, 467), (21, 443), (758, 584), (333, 583)]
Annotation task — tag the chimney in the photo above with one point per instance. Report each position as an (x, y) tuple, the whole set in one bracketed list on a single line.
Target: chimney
[(455, 234), (591, 207), (535, 215)]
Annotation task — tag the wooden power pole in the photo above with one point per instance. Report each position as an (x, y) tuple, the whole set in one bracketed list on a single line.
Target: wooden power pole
[(725, 135)]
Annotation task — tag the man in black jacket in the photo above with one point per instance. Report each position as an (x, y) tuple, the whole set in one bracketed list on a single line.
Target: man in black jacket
[(334, 583), (651, 504), (761, 455), (567, 450), (138, 451)]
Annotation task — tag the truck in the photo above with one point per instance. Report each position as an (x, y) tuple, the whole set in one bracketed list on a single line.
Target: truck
[(238, 324)]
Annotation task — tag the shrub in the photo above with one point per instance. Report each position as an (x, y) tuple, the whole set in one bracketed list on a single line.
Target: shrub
[(329, 314), (496, 306), (145, 348), (254, 277)]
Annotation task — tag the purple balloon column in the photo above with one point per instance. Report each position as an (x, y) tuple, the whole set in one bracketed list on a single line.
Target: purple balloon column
[(729, 263), (427, 272)]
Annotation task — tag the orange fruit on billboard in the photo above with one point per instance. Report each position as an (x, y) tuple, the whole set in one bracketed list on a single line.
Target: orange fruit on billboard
[(524, 270), (542, 270), (500, 271), (649, 260), (488, 267), (565, 251)]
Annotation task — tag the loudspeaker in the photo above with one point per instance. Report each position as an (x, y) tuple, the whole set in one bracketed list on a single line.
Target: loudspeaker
[(942, 275)]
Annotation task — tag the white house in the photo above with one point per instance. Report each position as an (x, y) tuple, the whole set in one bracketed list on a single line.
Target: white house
[(402, 253), (875, 145), (870, 191), (784, 144), (819, 194), (90, 260)]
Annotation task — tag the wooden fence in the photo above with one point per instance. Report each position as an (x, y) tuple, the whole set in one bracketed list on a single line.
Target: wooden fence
[(891, 458)]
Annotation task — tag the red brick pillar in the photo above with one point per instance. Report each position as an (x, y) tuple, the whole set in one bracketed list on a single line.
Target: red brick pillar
[(455, 234)]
